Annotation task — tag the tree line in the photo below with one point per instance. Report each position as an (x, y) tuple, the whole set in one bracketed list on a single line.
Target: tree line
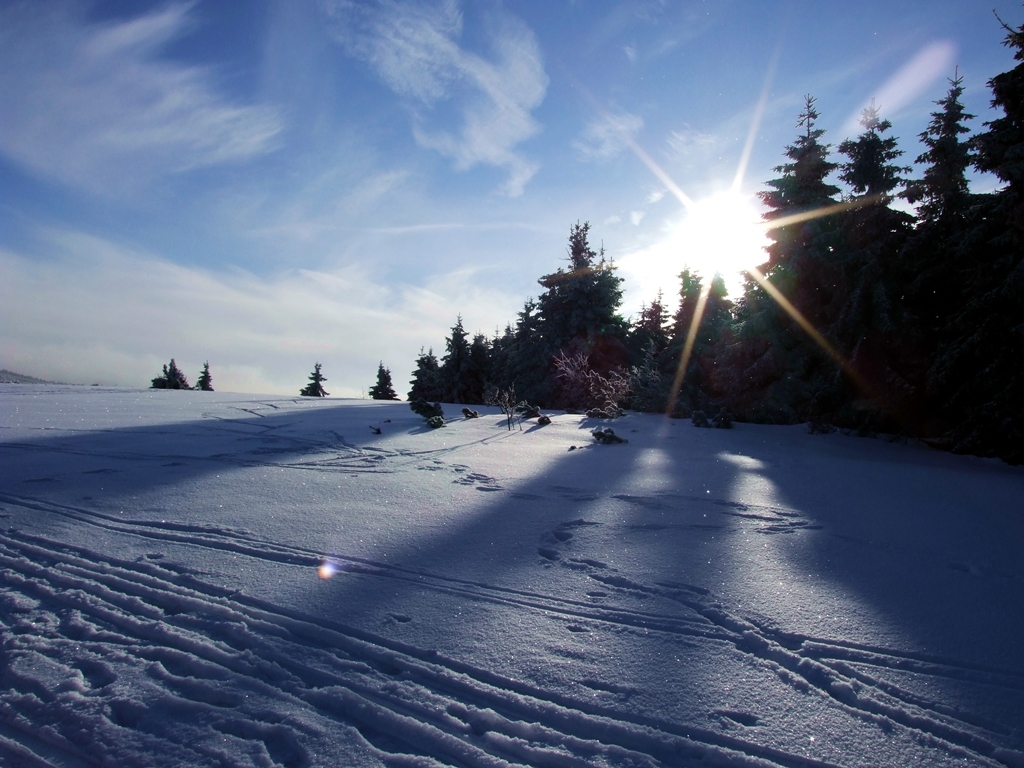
[(864, 316)]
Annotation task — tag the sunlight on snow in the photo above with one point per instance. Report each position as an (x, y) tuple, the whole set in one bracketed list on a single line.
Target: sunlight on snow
[(788, 583)]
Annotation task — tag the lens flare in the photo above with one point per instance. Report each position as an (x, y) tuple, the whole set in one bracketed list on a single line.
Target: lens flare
[(722, 233), (327, 569)]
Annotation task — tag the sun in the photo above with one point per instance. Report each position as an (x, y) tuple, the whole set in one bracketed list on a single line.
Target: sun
[(721, 234)]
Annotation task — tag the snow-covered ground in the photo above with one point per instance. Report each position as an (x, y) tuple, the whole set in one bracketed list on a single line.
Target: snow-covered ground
[(190, 578)]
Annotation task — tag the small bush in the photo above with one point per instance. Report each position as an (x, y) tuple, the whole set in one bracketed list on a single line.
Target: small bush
[(425, 409), (435, 422), (607, 436)]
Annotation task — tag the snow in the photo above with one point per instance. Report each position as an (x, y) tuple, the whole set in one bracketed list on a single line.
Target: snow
[(213, 579)]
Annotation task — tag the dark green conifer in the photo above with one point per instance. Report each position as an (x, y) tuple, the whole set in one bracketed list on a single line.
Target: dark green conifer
[(455, 366), (579, 309), (315, 387), (426, 378), (383, 389), (205, 381), (867, 331), (171, 378), (776, 369), (978, 372)]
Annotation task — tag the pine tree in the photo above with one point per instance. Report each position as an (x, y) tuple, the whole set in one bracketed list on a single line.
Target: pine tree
[(171, 378), (478, 374), (701, 382), (426, 379), (933, 258), (867, 331), (315, 387), (978, 376), (935, 255), (527, 357), (205, 381), (455, 366), (579, 309), (650, 332), (801, 261), (383, 389), (942, 192), (776, 371)]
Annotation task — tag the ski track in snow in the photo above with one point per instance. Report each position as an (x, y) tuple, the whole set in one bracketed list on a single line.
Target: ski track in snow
[(104, 658), (70, 608)]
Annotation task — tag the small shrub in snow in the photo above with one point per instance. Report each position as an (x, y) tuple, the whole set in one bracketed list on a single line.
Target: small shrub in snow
[(583, 387), (527, 411), (425, 409), (700, 419), (722, 420), (612, 412), (435, 422), (470, 414), (507, 403), (543, 420), (607, 436)]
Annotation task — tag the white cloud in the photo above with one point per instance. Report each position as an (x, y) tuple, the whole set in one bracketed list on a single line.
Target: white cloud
[(688, 145), (93, 105), (415, 50), (607, 136), (90, 310), (636, 217), (656, 197)]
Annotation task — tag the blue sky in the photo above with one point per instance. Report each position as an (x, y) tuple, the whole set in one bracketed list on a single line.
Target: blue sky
[(273, 183)]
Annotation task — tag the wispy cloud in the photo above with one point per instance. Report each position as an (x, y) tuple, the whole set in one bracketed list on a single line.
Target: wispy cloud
[(908, 83), (93, 105), (607, 136), (688, 144), (415, 49), (82, 308)]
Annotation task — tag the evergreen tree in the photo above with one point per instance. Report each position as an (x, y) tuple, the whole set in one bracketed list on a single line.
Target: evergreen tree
[(801, 260), (935, 255), (776, 371), (579, 309), (315, 387), (978, 376), (205, 381), (501, 348), (527, 357), (383, 389), (455, 366), (426, 379), (942, 192), (171, 378), (868, 329), (701, 381), (650, 332), (478, 374)]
